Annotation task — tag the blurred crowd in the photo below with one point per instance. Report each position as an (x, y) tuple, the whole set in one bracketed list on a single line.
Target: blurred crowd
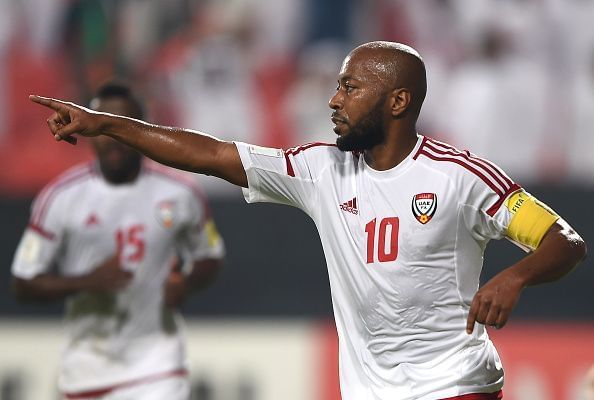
[(512, 80)]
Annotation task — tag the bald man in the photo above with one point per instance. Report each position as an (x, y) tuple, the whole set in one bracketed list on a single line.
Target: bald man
[(403, 220)]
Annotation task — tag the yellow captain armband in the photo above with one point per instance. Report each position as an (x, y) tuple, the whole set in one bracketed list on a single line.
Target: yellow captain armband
[(530, 220), (211, 233)]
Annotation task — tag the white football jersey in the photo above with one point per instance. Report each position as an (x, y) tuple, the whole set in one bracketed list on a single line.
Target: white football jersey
[(79, 221), (404, 250)]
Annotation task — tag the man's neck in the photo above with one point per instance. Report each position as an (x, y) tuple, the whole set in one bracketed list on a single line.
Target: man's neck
[(393, 151)]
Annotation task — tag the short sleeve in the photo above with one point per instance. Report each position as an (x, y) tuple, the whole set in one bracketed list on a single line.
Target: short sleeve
[(484, 191), (283, 176), (198, 238), (41, 241)]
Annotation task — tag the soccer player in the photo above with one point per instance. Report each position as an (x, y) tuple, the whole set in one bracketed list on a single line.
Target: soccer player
[(403, 220), (124, 242)]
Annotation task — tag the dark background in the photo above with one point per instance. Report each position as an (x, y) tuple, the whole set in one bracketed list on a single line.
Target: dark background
[(275, 265)]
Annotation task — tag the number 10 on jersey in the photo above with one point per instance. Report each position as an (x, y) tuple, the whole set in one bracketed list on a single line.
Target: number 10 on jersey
[(386, 250)]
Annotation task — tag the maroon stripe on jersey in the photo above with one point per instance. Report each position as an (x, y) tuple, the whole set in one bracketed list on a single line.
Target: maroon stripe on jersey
[(290, 170), (478, 396), (472, 160), (489, 167), (466, 165), (92, 394), (487, 162), (297, 150), (48, 190), (41, 231), (38, 214), (502, 195), (493, 209), (184, 181)]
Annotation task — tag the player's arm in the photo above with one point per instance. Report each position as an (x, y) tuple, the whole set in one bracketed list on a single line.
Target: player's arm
[(202, 247), (106, 277), (557, 249), (179, 285), (45, 287), (203, 273), (176, 147)]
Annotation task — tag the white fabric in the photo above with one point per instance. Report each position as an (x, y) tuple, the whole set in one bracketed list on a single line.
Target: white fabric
[(401, 323), (174, 388), (170, 388), (76, 224)]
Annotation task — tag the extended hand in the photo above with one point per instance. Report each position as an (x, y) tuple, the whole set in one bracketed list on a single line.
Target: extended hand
[(107, 277), (494, 302), (69, 119)]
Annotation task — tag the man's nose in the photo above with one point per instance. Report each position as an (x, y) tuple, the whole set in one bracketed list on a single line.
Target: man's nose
[(335, 102)]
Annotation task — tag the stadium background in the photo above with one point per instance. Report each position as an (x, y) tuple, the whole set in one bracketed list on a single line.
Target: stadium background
[(513, 80)]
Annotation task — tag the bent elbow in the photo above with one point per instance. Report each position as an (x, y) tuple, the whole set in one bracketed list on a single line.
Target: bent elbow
[(576, 247), (582, 250)]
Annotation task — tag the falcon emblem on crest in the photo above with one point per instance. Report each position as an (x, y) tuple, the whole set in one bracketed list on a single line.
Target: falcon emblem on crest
[(166, 213), (424, 206)]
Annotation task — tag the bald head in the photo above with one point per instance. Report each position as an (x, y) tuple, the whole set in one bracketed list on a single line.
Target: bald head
[(393, 66)]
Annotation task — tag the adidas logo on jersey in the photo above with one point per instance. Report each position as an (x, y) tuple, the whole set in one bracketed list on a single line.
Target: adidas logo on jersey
[(350, 206), (92, 219)]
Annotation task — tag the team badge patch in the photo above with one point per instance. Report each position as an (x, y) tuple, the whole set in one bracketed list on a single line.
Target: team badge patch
[(424, 206), (166, 213)]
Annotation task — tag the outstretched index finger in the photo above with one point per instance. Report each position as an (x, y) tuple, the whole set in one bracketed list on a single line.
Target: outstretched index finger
[(54, 104)]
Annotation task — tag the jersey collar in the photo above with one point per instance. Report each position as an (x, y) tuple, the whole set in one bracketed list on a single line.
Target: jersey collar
[(396, 170)]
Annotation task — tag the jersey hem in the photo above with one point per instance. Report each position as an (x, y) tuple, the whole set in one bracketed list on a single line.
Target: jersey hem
[(93, 393)]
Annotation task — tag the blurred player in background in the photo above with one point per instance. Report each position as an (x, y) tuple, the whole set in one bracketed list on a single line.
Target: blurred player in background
[(403, 220), (124, 241)]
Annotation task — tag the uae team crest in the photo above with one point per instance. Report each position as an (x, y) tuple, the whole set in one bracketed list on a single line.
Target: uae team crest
[(166, 213), (424, 206)]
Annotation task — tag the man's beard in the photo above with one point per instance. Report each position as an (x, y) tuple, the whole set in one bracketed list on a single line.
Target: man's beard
[(124, 171), (368, 132)]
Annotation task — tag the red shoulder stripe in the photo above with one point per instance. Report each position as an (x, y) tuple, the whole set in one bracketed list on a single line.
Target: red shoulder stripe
[(299, 149), (502, 194), (493, 209), (296, 150), (46, 191), (49, 192), (489, 173), (41, 231), (486, 163), (464, 165), (177, 177), (290, 170)]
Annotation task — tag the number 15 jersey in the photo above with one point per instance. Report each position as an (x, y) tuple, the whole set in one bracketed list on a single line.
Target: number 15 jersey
[(79, 221), (404, 249)]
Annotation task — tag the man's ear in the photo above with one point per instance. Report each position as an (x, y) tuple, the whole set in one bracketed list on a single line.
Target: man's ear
[(400, 99)]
